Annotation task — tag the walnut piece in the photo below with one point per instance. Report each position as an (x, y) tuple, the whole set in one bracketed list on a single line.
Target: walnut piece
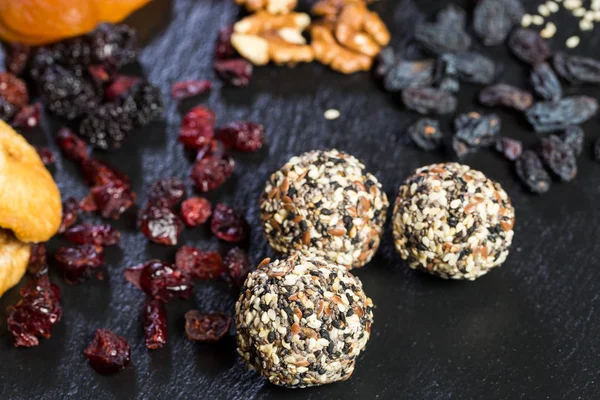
[(329, 52), (271, 6), (263, 37)]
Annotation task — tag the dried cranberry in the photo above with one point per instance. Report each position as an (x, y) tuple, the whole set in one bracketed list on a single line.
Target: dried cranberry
[(112, 200), (224, 49), (235, 72), (165, 282), (88, 204), (17, 56), (206, 327), (195, 211), (242, 136), (161, 225), (119, 86), (510, 148), (186, 89), (71, 145), (167, 192), (197, 128), (199, 264), (228, 225), (99, 235), (133, 275), (237, 265), (78, 263), (28, 117), (38, 264), (46, 155), (211, 172), (213, 149), (70, 214), (13, 90), (35, 314), (155, 324), (99, 73), (108, 353), (98, 173)]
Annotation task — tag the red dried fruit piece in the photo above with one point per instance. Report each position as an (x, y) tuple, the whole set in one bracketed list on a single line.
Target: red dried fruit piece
[(235, 72), (155, 324), (87, 204), (213, 149), (237, 265), (210, 172), (161, 225), (165, 282), (99, 73), (35, 314), (228, 225), (242, 136), (28, 117), (78, 263), (17, 56), (46, 155), (108, 353), (98, 173), (99, 235), (167, 192), (119, 86), (133, 275), (71, 145), (195, 211), (111, 200), (199, 264), (13, 90), (206, 327), (186, 89), (197, 128), (224, 48), (38, 264), (70, 214)]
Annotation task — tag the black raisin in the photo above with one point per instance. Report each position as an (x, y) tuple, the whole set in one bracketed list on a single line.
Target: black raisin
[(507, 96), (447, 35), (385, 60), (447, 74), (558, 115), (426, 134), (511, 149), (429, 101), (545, 82), (409, 74), (475, 68), (559, 158), (597, 150), (573, 137), (477, 130), (529, 46), (532, 173), (577, 70), (494, 19)]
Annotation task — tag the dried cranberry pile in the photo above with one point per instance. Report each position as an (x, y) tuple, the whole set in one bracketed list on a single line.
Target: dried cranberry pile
[(429, 86), (79, 81)]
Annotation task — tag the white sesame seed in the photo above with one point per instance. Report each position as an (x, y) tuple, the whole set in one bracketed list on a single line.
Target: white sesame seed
[(572, 42), (537, 20), (586, 25), (595, 5), (552, 6), (579, 12), (589, 16), (597, 15), (331, 114), (526, 20), (572, 4), (548, 31), (543, 10)]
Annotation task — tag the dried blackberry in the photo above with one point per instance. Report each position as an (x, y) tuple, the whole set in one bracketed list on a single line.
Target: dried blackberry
[(149, 103), (545, 82), (532, 173), (426, 134), (559, 158), (66, 94), (113, 45), (477, 130), (42, 59), (447, 35), (474, 68), (75, 53), (573, 137), (107, 127), (7, 110)]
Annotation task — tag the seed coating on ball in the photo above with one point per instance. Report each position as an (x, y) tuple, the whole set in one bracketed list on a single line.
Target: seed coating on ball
[(452, 221), (302, 321), (324, 203)]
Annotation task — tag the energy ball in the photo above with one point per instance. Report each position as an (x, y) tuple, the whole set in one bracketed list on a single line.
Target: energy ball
[(323, 203), (452, 221), (302, 321)]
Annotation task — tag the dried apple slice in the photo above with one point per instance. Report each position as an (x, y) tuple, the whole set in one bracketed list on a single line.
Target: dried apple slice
[(30, 203), (14, 257)]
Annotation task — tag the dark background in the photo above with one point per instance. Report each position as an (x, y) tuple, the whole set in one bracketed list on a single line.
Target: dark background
[(528, 330)]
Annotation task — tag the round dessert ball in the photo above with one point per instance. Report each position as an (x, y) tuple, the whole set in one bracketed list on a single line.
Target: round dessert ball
[(452, 221), (324, 203), (302, 321)]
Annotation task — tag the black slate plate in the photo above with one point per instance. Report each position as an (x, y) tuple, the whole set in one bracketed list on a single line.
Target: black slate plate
[(525, 331)]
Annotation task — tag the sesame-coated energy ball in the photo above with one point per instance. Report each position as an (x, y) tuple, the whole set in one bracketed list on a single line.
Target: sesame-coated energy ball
[(302, 321), (324, 203), (452, 221)]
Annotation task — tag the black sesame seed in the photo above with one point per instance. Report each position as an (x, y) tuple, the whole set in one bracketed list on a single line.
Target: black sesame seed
[(326, 211), (271, 336)]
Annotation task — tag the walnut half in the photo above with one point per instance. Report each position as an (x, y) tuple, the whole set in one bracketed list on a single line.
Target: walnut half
[(270, 6)]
